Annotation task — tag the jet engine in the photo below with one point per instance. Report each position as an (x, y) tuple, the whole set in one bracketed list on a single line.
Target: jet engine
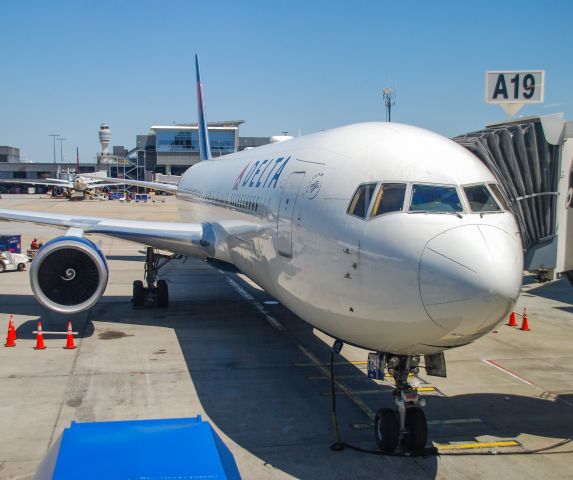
[(69, 274)]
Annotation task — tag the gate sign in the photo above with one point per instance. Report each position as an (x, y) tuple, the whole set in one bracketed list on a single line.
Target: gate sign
[(519, 87)]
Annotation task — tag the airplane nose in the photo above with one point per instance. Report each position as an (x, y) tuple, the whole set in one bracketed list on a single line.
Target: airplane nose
[(470, 277)]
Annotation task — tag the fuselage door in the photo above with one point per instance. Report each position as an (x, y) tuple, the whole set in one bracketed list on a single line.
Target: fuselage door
[(286, 211)]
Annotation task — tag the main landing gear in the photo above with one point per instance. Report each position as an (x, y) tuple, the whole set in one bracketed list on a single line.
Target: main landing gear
[(406, 422), (156, 291)]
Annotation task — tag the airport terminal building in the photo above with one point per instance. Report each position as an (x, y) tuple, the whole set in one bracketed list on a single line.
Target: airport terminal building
[(172, 149), (165, 149)]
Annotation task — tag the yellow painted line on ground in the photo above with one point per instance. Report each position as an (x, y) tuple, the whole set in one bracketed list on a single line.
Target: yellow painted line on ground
[(471, 445), (374, 392), (455, 421), (425, 389), (339, 377), (356, 362)]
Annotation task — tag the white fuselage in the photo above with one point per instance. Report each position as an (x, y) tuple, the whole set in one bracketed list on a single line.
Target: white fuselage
[(403, 282)]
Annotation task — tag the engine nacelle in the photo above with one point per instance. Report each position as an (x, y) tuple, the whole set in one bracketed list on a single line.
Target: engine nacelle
[(69, 274)]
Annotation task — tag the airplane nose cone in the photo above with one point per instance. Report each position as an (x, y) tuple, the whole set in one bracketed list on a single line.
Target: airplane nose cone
[(470, 277)]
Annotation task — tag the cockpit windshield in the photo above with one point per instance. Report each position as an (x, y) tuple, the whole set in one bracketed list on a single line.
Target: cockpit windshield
[(480, 199), (435, 198)]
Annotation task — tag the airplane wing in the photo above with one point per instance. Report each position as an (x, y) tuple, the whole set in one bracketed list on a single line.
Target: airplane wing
[(92, 186), (213, 239), (164, 187), (57, 180), (47, 182)]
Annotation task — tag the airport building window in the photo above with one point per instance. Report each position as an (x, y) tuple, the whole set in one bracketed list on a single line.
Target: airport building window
[(186, 141), (361, 200), (390, 198), (480, 199), (434, 198)]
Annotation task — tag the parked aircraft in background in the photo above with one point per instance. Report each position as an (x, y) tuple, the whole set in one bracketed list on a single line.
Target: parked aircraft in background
[(384, 236), (83, 184)]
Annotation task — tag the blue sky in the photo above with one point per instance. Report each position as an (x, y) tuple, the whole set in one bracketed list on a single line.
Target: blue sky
[(67, 66)]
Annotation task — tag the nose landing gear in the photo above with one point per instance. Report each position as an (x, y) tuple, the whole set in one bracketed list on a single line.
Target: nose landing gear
[(407, 422)]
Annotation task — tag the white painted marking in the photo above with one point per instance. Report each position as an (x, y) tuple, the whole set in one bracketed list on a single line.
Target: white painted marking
[(249, 281), (511, 374), (247, 296)]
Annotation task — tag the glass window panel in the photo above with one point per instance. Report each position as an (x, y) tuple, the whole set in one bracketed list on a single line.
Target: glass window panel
[(480, 199), (361, 200), (500, 198), (390, 198), (432, 198)]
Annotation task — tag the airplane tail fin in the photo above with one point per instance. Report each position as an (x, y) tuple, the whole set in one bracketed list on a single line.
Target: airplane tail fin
[(204, 145), (77, 160)]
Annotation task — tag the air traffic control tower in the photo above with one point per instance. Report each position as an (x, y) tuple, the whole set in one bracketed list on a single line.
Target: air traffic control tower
[(104, 138)]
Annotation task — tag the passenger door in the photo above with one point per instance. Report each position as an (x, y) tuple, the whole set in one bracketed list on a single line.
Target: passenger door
[(286, 211)]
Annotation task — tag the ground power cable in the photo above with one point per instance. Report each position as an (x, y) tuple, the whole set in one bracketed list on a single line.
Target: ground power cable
[(339, 445)]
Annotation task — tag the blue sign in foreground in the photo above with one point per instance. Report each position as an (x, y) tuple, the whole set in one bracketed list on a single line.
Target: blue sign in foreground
[(174, 448)]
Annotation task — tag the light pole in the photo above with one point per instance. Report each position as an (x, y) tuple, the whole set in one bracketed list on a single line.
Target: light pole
[(61, 150), (54, 135), (389, 100)]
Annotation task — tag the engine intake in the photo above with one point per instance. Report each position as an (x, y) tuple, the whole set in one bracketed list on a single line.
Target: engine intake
[(69, 274)]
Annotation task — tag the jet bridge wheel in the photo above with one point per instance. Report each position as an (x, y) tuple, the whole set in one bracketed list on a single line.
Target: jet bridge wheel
[(138, 294), (386, 429), (417, 429)]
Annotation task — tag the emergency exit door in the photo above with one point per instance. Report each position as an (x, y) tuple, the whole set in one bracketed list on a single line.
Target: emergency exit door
[(286, 212)]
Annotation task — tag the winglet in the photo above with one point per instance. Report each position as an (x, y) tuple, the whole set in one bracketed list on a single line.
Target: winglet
[(204, 145), (77, 161)]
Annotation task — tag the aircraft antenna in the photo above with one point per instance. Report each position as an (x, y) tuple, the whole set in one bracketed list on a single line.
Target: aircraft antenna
[(389, 101)]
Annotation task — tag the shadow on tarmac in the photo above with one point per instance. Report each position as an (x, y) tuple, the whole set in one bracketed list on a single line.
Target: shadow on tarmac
[(559, 290), (260, 389)]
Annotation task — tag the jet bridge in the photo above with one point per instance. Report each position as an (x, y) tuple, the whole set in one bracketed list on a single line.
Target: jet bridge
[(532, 160)]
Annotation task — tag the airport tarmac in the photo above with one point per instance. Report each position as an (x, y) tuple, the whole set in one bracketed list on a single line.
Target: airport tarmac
[(225, 350)]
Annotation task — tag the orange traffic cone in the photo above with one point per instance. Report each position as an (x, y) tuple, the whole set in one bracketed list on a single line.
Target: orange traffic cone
[(11, 337), (512, 321), (525, 322), (70, 338), (12, 326), (40, 338)]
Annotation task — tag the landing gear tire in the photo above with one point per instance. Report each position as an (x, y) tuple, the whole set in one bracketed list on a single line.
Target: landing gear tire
[(386, 429), (162, 293), (417, 429), (138, 294)]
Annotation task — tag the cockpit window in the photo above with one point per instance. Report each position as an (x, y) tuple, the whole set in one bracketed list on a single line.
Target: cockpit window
[(498, 195), (390, 198), (361, 200), (481, 199), (434, 198)]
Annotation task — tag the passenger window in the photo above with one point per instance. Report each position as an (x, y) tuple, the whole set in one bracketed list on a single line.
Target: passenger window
[(500, 198), (480, 199), (433, 198), (361, 200), (390, 198)]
